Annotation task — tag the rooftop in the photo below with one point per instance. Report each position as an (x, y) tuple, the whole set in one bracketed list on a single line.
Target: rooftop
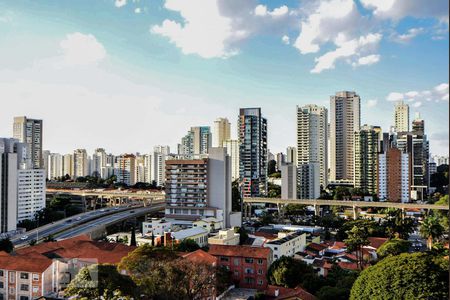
[(240, 251), (185, 233), (285, 239), (200, 256), (34, 262)]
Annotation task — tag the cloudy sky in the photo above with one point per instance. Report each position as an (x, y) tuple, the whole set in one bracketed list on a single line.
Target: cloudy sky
[(130, 74)]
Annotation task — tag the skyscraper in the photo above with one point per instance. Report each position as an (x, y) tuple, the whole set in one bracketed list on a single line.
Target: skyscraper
[(196, 141), (99, 163), (55, 166), (30, 132), (232, 147), (312, 146), (252, 132), (221, 132), (68, 167), (125, 169), (291, 155), (80, 163), (345, 118), (159, 156), (366, 159), (393, 175), (401, 117)]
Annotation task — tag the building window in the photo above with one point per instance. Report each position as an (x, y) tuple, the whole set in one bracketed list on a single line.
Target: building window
[(249, 260), (248, 271), (260, 261), (11, 290), (248, 280), (35, 288), (260, 282), (260, 271), (12, 277), (236, 261), (222, 258), (23, 275), (1, 285), (1, 273), (24, 287), (35, 277)]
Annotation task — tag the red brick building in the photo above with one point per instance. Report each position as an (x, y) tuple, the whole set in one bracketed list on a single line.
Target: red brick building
[(248, 265)]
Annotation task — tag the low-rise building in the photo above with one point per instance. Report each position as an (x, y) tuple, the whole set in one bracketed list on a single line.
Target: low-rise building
[(197, 234), (225, 237), (248, 265), (287, 244), (157, 226), (210, 224)]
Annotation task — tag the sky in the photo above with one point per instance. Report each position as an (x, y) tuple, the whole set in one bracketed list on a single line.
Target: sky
[(127, 75)]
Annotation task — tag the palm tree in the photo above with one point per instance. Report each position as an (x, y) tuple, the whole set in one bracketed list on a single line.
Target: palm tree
[(431, 229)]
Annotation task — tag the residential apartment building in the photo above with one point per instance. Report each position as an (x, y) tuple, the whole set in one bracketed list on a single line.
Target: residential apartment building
[(221, 132), (225, 237), (253, 153), (55, 166), (393, 176), (30, 132), (30, 192), (287, 244), (99, 159), (401, 117), (248, 265), (345, 119), (125, 169), (366, 159), (291, 155), (197, 141), (312, 146), (68, 166), (232, 147), (199, 187), (159, 157), (80, 163), (289, 181), (308, 177)]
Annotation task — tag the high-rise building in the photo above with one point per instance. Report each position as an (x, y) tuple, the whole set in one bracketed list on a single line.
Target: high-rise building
[(291, 155), (345, 118), (252, 132), (393, 176), (308, 177), (199, 187), (221, 132), (440, 160), (68, 167), (197, 141), (366, 159), (232, 147), (418, 126), (55, 166), (30, 132), (289, 181), (401, 117), (125, 169), (312, 146), (159, 157), (280, 159), (99, 163), (30, 193), (45, 164), (80, 163)]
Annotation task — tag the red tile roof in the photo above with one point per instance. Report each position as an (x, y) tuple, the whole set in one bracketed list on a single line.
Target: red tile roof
[(317, 247), (287, 293), (348, 266), (29, 263), (240, 251), (376, 242), (200, 256)]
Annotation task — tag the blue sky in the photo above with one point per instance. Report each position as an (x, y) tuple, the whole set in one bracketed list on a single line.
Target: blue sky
[(128, 75)]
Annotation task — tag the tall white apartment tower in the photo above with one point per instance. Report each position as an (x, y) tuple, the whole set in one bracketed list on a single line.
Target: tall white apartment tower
[(68, 167), (401, 117), (80, 163), (345, 120), (29, 131), (99, 163), (291, 155), (158, 166), (232, 147), (312, 146), (221, 132)]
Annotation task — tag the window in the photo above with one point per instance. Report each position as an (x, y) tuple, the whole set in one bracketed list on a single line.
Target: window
[(24, 287), (249, 260), (1, 285), (35, 288), (23, 275), (260, 282), (222, 258), (12, 277), (248, 280), (248, 271), (35, 277), (236, 261), (260, 261), (260, 271), (1, 273), (24, 298)]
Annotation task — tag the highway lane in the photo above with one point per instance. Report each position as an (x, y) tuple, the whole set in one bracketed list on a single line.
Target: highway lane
[(107, 220)]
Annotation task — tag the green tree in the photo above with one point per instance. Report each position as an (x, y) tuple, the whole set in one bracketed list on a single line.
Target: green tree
[(397, 225), (274, 190), (100, 280), (443, 215), (357, 238), (235, 196), (393, 247), (187, 245), (271, 166), (431, 229), (243, 234), (6, 245), (49, 238), (133, 237), (405, 276), (295, 210), (289, 272)]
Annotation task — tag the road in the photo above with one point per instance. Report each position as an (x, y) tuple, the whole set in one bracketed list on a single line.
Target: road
[(108, 220), (73, 222)]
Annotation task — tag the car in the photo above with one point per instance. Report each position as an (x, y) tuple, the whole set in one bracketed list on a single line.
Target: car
[(102, 210), (68, 221), (116, 208), (78, 219), (24, 237)]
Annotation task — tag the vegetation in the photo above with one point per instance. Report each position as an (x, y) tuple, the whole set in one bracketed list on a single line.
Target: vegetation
[(289, 272), (337, 284), (405, 276), (243, 234), (133, 237), (431, 229), (235, 196), (271, 167), (187, 245), (393, 247), (439, 180), (397, 225), (6, 245), (98, 281), (357, 238), (274, 190)]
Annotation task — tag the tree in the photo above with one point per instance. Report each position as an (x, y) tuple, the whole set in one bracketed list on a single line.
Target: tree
[(243, 235), (393, 247), (274, 190), (187, 245), (6, 245), (357, 238), (95, 281), (431, 229), (49, 238), (271, 166), (341, 192), (295, 210), (133, 237), (405, 276), (235, 196), (289, 272), (397, 225), (373, 228), (443, 215), (439, 180)]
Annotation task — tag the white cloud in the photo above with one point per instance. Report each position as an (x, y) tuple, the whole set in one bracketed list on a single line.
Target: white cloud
[(217, 29), (285, 39), (120, 3), (408, 36), (348, 49), (372, 103), (82, 49), (416, 98), (367, 60), (137, 10)]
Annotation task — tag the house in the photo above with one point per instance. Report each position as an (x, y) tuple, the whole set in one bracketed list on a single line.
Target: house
[(281, 293), (197, 234), (211, 224), (287, 244), (225, 237), (248, 265), (157, 226), (316, 249)]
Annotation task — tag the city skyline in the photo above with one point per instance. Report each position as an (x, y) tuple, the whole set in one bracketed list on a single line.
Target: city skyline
[(114, 79)]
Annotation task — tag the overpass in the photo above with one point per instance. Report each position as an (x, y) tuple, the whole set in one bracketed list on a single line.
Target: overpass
[(355, 205)]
